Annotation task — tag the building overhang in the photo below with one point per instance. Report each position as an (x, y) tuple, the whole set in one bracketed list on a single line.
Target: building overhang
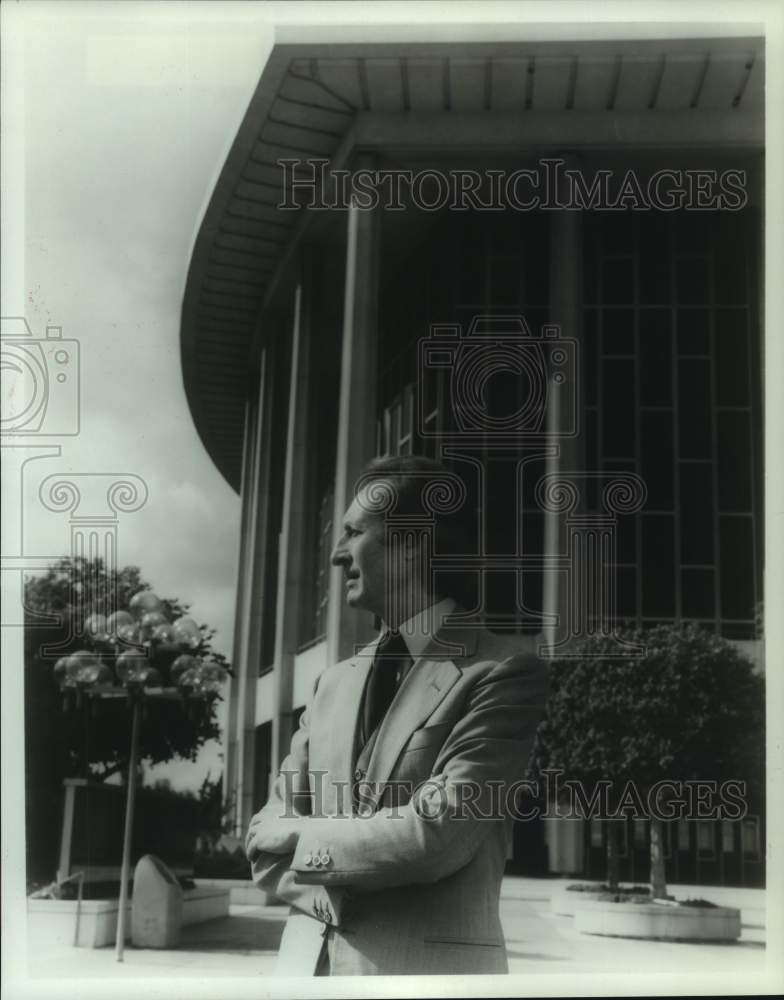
[(354, 89)]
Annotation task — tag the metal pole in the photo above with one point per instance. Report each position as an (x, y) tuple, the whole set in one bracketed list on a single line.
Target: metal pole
[(80, 877), (126, 858)]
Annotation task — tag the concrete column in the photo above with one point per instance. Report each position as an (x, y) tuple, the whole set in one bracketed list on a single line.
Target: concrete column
[(356, 442), (296, 509), (237, 684), (253, 542), (565, 312), (66, 835)]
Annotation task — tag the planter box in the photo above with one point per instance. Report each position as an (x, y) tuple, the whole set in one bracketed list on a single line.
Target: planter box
[(244, 892), (54, 920), (664, 922), (566, 902)]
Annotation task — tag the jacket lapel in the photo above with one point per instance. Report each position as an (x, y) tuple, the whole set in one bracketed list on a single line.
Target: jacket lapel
[(423, 689), (338, 741)]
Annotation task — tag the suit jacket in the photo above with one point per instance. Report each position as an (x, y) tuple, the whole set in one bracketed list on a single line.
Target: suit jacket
[(412, 884)]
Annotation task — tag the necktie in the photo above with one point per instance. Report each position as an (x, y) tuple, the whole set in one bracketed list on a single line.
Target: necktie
[(391, 658)]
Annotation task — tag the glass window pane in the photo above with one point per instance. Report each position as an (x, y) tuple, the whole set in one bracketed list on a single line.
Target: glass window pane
[(505, 281), (658, 566), (737, 567), (697, 598), (729, 264), (705, 838), (692, 280), (618, 409), (656, 458), (734, 455), (693, 331), (591, 457), (589, 355), (696, 508), (694, 232), (626, 593), (591, 260), (655, 357), (750, 838), (694, 419), (655, 262), (732, 359), (618, 281), (617, 231), (618, 331)]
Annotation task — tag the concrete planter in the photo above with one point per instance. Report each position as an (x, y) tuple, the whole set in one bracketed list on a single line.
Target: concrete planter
[(54, 920), (565, 902), (244, 892), (658, 921)]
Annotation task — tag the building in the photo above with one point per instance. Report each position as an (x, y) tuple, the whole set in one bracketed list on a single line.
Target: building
[(303, 331)]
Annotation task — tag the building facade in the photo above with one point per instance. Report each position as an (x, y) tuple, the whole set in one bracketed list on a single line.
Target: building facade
[(589, 213)]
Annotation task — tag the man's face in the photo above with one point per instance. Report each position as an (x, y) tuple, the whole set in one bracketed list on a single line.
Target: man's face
[(362, 554)]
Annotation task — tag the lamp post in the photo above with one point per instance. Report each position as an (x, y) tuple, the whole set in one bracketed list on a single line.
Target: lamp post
[(138, 655)]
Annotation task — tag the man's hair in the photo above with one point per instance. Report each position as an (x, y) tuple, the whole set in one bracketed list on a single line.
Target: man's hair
[(417, 483)]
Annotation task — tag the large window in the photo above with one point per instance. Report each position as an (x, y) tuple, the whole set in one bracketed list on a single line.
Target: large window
[(672, 392), (469, 265), (323, 399)]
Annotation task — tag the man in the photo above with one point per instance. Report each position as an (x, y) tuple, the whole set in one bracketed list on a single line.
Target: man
[(383, 830)]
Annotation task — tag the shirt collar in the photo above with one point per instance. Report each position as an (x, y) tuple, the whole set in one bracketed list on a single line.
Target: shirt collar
[(420, 629)]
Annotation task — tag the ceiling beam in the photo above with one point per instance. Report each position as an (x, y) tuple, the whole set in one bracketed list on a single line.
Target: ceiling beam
[(558, 130)]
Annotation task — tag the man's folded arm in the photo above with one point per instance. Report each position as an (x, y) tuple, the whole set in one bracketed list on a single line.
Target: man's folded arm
[(290, 797), (485, 753)]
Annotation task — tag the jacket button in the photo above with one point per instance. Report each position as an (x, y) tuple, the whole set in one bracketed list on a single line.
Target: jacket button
[(324, 858), (359, 774), (308, 859)]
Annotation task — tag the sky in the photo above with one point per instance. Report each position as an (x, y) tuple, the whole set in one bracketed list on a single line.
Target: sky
[(129, 113), (123, 114)]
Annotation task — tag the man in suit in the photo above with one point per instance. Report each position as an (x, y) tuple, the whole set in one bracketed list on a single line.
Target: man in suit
[(386, 829)]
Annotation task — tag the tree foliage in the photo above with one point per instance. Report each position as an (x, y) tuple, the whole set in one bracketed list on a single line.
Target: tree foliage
[(92, 742), (97, 745), (692, 708)]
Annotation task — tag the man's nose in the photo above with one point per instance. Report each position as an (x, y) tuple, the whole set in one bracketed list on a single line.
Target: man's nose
[(338, 557)]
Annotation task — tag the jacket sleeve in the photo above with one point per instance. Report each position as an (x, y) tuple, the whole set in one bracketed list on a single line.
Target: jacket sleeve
[(440, 830), (290, 796)]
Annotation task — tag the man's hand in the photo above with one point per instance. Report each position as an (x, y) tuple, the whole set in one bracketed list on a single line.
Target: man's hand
[(271, 836)]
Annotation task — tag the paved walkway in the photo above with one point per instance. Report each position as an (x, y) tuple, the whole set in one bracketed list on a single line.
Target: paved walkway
[(244, 943)]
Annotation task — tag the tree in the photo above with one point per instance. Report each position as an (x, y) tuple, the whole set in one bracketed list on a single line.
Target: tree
[(691, 709), (88, 743)]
